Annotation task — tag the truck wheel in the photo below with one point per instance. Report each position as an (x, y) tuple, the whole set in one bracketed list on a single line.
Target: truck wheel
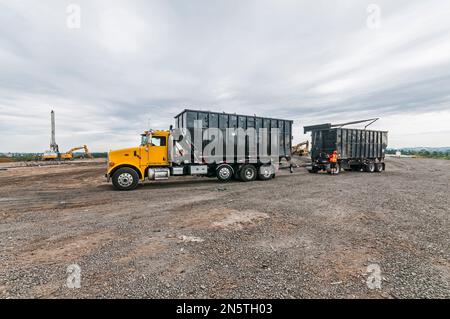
[(370, 167), (224, 173), (378, 167), (265, 173), (125, 179), (248, 173)]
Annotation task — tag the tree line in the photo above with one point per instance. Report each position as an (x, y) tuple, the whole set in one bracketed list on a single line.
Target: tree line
[(422, 153)]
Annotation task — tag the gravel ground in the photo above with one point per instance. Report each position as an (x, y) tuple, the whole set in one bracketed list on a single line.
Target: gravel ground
[(298, 236)]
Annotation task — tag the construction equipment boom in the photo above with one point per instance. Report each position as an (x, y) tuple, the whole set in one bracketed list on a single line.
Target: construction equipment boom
[(53, 146)]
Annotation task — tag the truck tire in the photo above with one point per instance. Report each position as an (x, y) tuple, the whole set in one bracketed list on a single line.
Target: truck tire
[(125, 179), (378, 167), (224, 173), (248, 173), (370, 167), (266, 173)]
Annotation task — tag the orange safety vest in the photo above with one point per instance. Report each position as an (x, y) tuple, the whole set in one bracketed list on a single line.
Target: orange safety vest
[(333, 158)]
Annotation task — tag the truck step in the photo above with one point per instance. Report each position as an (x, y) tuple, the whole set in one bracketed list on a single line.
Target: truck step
[(161, 173)]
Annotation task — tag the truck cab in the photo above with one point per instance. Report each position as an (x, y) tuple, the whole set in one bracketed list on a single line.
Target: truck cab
[(126, 167)]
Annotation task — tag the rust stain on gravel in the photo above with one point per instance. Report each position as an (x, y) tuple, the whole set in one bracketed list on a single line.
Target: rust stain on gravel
[(220, 218), (145, 250), (237, 220), (69, 249)]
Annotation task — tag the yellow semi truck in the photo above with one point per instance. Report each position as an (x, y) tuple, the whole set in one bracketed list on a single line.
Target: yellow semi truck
[(126, 167), (165, 153)]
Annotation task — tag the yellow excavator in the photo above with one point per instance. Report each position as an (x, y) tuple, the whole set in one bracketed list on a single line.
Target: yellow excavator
[(69, 154), (301, 149)]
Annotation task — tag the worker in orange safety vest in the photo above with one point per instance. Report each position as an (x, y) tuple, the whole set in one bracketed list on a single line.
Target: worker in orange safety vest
[(333, 161)]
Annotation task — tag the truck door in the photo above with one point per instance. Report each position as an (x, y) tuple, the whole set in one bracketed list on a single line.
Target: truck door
[(158, 151)]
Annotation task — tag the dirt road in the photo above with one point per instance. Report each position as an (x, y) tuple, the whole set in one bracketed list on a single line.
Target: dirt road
[(297, 236)]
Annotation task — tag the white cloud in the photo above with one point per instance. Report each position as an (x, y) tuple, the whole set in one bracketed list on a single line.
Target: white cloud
[(121, 31)]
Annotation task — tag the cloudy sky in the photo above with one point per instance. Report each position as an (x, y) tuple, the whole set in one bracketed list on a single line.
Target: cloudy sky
[(124, 64)]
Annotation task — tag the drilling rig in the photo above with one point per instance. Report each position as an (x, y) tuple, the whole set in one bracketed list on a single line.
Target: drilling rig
[(53, 152)]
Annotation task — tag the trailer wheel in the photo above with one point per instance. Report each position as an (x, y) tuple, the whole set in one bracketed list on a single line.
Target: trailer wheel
[(125, 179), (248, 173), (378, 167), (265, 173), (370, 167), (224, 173)]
